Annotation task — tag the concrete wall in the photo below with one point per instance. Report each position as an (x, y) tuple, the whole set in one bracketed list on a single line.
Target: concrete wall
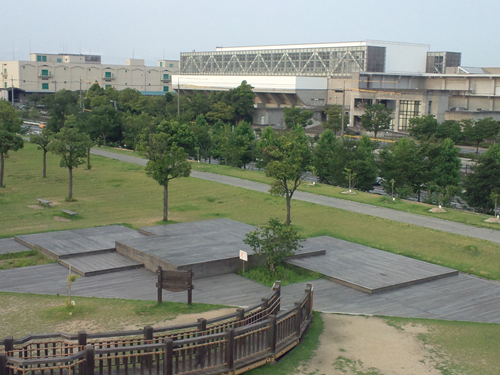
[(403, 57)]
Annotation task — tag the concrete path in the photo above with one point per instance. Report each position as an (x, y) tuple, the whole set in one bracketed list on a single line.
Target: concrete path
[(362, 208)]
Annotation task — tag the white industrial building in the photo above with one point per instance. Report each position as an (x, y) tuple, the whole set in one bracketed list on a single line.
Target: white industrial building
[(406, 77)]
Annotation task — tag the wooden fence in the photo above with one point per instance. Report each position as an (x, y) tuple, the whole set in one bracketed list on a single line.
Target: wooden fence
[(230, 344)]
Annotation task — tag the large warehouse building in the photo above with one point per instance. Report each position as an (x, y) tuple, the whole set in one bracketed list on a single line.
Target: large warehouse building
[(406, 77)]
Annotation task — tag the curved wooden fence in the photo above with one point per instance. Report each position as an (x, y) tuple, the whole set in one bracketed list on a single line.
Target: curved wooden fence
[(230, 344)]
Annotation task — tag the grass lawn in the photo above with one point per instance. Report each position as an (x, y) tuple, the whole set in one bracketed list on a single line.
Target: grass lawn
[(23, 259), (115, 192), (460, 347), (25, 314), (464, 217), (287, 274)]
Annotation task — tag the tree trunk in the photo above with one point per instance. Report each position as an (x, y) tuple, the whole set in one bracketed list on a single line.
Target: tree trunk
[(88, 158), (419, 195), (70, 197), (104, 139), (288, 199), (1, 169), (375, 134), (44, 163), (165, 202)]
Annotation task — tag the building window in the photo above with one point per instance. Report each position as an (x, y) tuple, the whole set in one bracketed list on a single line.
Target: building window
[(5, 71), (38, 58), (64, 68), (165, 88), (59, 60), (107, 75), (165, 76), (89, 69), (45, 72), (5, 84), (161, 64), (407, 110), (24, 81), (171, 65), (45, 86)]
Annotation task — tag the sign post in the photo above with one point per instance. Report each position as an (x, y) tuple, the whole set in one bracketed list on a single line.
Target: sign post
[(175, 281), (244, 258)]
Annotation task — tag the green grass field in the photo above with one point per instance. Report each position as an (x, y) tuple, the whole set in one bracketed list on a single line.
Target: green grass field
[(464, 217), (114, 192)]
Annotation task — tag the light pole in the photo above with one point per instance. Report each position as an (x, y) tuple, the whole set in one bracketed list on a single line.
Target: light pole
[(336, 97)]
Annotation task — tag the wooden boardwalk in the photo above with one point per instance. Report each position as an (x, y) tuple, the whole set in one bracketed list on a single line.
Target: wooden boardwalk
[(365, 268), (91, 265), (10, 245), (68, 243), (220, 226)]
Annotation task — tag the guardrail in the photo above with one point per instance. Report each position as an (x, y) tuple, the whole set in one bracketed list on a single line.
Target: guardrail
[(231, 343)]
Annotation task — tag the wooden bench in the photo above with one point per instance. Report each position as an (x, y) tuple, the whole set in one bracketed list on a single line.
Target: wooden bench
[(44, 201), (70, 212)]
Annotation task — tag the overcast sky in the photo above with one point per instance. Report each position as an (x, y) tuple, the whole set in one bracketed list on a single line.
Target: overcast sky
[(156, 29)]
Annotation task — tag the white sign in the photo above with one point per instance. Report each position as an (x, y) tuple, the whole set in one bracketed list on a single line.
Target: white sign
[(244, 255)]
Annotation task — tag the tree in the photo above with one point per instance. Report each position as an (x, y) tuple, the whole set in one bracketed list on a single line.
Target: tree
[(424, 127), (287, 162), (166, 162), (297, 117), (43, 141), (484, 180), (60, 105), (203, 134), (377, 117), (275, 241), (220, 111), (334, 118), (71, 145), (486, 128), (450, 129), (105, 122), (10, 125), (241, 100)]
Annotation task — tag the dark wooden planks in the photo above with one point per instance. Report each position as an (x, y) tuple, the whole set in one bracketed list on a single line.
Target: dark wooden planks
[(367, 269), (10, 245), (90, 265)]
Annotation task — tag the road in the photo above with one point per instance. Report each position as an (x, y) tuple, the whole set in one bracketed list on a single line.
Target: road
[(362, 208)]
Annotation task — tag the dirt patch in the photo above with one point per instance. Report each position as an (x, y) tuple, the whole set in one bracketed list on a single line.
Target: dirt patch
[(55, 203), (437, 210), (35, 207), (59, 218), (493, 220), (368, 345)]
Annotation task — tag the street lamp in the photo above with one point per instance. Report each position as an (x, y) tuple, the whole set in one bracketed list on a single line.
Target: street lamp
[(336, 97)]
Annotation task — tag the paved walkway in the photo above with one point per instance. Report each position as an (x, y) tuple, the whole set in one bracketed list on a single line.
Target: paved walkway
[(362, 208)]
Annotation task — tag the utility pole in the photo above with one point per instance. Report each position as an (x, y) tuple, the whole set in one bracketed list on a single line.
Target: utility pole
[(12, 80), (178, 98), (80, 94), (55, 87), (343, 106)]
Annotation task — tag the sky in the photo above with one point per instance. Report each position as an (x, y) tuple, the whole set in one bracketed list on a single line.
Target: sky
[(160, 29)]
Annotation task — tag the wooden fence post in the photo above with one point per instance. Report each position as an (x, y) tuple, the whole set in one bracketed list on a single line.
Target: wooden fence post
[(90, 360), (82, 338), (230, 349), (298, 318), (148, 336), (169, 357), (273, 333), (240, 318), (159, 284), (277, 289), (190, 287), (201, 351), (3, 364), (310, 287), (264, 305), (8, 344)]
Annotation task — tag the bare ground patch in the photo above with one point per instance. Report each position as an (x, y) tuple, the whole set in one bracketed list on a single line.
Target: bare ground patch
[(35, 207), (356, 345)]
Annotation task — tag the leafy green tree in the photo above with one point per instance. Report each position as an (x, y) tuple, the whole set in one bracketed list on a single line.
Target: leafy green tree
[(71, 145), (276, 241), (221, 137), (334, 118), (478, 131), (220, 111), (446, 165), (288, 161), (241, 100), (294, 116), (450, 129), (105, 122), (43, 141), (405, 163), (241, 144), (167, 161), (332, 156), (484, 180), (10, 125), (424, 127), (34, 114), (377, 117), (61, 105)]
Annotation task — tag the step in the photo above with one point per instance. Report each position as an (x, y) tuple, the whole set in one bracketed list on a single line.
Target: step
[(97, 264)]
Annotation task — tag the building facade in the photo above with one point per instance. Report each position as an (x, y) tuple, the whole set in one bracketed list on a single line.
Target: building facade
[(406, 77), (48, 73)]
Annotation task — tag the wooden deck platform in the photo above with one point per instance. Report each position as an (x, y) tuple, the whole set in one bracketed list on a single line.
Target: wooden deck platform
[(10, 245), (69, 243), (91, 265), (366, 269), (220, 226)]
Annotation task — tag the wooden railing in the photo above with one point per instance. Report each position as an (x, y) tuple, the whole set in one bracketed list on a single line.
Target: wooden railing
[(233, 343)]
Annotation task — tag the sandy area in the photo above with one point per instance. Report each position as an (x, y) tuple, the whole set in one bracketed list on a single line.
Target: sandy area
[(358, 344), (437, 210), (35, 207), (493, 220)]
